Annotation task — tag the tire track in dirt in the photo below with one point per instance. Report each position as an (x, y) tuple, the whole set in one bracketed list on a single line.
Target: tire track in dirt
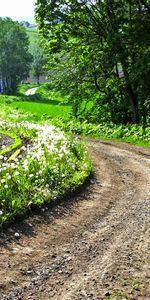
[(96, 242)]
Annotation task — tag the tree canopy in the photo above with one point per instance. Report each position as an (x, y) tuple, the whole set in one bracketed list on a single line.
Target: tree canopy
[(15, 59), (102, 48)]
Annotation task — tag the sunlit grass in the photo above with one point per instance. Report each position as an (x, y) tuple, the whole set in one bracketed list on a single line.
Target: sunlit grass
[(42, 110), (49, 165)]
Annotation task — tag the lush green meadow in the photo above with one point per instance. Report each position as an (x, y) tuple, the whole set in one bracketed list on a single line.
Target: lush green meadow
[(43, 105)]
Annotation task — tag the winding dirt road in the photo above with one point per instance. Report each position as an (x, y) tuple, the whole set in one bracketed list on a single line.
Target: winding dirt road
[(90, 246)]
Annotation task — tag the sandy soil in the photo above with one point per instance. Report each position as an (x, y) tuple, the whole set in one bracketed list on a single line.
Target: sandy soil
[(88, 246)]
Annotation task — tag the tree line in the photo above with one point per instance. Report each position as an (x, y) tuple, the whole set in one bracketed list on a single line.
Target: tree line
[(16, 58), (98, 52)]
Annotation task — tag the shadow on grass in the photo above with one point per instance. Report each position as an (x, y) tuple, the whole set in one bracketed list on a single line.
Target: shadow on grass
[(40, 99)]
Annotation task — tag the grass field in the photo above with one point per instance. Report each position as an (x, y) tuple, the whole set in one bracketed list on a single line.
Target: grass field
[(42, 110), (42, 106)]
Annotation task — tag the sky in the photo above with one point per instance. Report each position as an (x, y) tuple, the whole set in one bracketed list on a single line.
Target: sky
[(17, 9)]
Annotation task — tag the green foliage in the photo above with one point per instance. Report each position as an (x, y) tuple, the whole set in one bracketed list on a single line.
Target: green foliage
[(45, 104), (39, 58), (99, 48), (15, 59), (118, 296), (33, 38), (17, 142), (39, 61), (50, 165), (135, 134)]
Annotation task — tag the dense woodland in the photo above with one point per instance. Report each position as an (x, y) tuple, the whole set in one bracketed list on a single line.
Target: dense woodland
[(98, 53)]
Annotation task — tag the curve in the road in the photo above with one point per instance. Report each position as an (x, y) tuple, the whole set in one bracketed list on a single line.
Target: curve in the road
[(97, 245)]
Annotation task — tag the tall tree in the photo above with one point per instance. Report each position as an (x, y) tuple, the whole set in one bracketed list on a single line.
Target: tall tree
[(39, 60), (117, 36), (15, 59)]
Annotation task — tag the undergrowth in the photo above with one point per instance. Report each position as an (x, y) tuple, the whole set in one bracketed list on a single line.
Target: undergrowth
[(134, 134)]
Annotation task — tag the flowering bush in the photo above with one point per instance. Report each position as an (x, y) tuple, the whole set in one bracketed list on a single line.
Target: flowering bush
[(47, 167)]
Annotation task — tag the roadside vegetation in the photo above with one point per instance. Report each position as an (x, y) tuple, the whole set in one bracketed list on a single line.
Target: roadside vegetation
[(98, 87), (50, 105), (42, 164), (96, 57)]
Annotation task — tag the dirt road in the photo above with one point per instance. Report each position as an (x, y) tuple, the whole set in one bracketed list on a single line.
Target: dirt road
[(89, 246)]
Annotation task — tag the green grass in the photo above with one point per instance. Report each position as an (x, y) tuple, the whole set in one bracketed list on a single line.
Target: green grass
[(22, 88), (17, 142), (42, 110), (49, 165), (42, 106), (61, 165), (134, 134), (118, 296), (49, 105)]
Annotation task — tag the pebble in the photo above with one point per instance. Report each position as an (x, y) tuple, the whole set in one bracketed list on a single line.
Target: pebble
[(17, 235)]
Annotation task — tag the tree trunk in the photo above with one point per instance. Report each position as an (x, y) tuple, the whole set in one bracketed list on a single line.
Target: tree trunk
[(134, 103), (132, 96)]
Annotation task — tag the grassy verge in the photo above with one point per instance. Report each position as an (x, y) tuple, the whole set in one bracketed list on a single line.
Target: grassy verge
[(134, 134), (50, 165)]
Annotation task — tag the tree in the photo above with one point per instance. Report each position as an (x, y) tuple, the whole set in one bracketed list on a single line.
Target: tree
[(39, 60), (15, 59), (116, 34)]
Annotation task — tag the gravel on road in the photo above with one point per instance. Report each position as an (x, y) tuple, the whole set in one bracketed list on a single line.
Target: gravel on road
[(90, 246)]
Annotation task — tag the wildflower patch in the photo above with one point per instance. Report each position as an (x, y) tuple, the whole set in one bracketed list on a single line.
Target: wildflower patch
[(44, 169)]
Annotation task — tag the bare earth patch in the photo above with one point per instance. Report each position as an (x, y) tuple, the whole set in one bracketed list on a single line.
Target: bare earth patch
[(5, 141), (91, 245)]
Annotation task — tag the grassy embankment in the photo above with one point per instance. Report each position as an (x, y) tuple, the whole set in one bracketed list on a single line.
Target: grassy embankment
[(42, 163)]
